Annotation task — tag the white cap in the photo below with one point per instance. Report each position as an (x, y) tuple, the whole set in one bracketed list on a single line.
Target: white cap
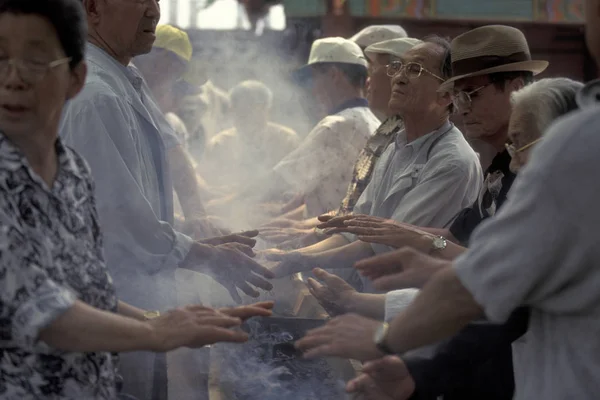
[(333, 50), (378, 33), (393, 47)]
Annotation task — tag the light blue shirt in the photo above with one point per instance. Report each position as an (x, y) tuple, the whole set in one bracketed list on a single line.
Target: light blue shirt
[(117, 127), (425, 182)]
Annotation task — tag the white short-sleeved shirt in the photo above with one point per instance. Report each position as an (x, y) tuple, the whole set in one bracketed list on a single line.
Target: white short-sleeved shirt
[(321, 167), (542, 250)]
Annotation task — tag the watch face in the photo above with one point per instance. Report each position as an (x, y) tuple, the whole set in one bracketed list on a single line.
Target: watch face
[(439, 243), (379, 336)]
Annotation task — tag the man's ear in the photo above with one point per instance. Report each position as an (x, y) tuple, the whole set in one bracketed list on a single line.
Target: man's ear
[(78, 75), (92, 10)]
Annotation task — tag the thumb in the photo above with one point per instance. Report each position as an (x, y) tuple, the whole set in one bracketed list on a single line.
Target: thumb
[(325, 217)]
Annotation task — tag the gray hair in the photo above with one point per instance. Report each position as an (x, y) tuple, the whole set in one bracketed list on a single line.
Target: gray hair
[(251, 93), (547, 99)]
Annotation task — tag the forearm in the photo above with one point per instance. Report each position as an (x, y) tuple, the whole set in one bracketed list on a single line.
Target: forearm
[(331, 243), (296, 214), (129, 311), (442, 308), (344, 256), (87, 329), (368, 305), (185, 183)]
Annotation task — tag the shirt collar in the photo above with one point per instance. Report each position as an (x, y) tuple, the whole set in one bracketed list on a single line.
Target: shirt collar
[(352, 103), (131, 72), (420, 142)]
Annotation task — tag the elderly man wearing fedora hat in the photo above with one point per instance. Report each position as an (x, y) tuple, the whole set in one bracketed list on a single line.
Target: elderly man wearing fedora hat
[(539, 255), (425, 176), (295, 234)]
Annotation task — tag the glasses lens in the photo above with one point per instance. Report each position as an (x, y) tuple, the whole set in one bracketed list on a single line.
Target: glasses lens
[(393, 68), (413, 70)]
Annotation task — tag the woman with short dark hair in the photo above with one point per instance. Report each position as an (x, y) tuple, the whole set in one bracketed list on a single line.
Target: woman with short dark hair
[(59, 317)]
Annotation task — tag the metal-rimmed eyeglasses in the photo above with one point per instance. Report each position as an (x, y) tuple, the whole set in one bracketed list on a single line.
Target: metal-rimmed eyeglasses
[(411, 70), (463, 98), (30, 72), (512, 151)]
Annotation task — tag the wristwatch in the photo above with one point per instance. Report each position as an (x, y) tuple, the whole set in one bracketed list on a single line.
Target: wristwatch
[(438, 243), (148, 315), (380, 337)]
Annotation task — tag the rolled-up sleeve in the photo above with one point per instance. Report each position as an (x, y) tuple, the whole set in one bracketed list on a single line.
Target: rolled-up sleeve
[(29, 299), (135, 237), (397, 300)]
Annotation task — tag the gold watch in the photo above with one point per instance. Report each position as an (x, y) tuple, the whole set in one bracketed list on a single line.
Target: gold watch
[(149, 315)]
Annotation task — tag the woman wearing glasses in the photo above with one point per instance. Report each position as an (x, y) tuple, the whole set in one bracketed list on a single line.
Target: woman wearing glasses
[(60, 319)]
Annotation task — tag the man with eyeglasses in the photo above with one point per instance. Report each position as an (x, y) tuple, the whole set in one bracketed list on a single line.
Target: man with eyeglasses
[(120, 130), (424, 177)]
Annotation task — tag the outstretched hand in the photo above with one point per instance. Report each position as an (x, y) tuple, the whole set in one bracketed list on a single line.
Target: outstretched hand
[(383, 379), (401, 269), (333, 293)]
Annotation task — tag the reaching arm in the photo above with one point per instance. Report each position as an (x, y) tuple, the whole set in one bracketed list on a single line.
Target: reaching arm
[(129, 311), (86, 329), (442, 308)]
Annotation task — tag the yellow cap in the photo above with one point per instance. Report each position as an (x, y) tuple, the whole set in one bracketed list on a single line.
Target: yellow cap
[(174, 40)]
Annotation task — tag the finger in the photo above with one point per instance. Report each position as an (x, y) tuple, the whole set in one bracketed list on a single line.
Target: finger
[(257, 268), (251, 234), (217, 334), (223, 321), (335, 222), (405, 280), (329, 279), (312, 341), (231, 288), (313, 286), (259, 282), (199, 308), (359, 384), (325, 217), (355, 230), (246, 312), (388, 240), (376, 366), (242, 248), (244, 287), (267, 305)]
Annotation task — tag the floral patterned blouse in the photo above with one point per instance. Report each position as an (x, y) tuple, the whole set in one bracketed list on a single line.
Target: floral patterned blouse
[(50, 256)]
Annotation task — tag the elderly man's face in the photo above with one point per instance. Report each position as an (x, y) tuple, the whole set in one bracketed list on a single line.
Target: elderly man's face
[(412, 93), (127, 26), (489, 110), (379, 87), (522, 131)]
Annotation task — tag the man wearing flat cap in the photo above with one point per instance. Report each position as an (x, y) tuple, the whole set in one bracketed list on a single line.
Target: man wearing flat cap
[(378, 33), (321, 167)]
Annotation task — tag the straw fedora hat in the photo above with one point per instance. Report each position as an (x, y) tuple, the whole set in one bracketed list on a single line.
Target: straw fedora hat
[(490, 49)]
